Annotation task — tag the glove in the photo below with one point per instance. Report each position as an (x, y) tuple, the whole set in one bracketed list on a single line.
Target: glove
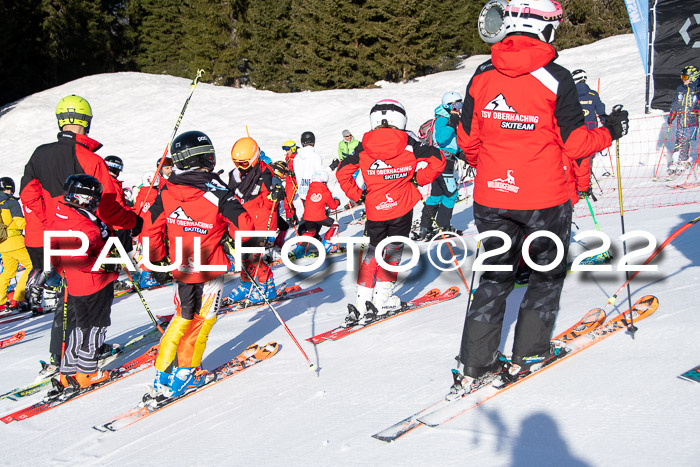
[(112, 253), (617, 122), (454, 121), (471, 172), (277, 194), (293, 219), (334, 164), (138, 226), (280, 169), (162, 277), (587, 193), (671, 116)]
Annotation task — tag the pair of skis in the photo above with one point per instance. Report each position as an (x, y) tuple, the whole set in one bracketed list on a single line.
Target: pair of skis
[(590, 330), (149, 405), (432, 297)]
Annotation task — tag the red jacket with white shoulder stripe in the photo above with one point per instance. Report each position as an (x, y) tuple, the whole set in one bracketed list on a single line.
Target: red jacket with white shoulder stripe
[(521, 114), (389, 159)]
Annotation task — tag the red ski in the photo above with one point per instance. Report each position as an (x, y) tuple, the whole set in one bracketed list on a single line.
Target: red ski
[(12, 340)]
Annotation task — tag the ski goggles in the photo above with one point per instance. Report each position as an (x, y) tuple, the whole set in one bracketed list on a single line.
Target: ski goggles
[(456, 106), (244, 164), (685, 77), (287, 148)]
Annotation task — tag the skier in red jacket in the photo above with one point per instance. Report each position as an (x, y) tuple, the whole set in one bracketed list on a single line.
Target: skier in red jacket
[(521, 114), (197, 208), (318, 199), (90, 293), (41, 191), (251, 182), (388, 157)]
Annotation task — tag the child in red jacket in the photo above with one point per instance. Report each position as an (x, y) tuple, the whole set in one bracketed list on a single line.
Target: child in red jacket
[(90, 293), (318, 200)]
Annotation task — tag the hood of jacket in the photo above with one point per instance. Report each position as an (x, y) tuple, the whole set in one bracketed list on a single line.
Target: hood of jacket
[(518, 55), (384, 144), (440, 111)]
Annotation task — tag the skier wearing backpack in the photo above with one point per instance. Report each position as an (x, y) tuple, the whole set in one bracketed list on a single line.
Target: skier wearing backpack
[(521, 114), (388, 157), (443, 191)]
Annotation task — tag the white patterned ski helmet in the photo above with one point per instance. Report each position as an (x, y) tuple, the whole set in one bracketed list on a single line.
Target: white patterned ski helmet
[(538, 17), (388, 112)]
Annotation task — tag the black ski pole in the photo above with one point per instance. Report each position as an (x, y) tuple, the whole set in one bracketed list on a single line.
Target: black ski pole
[(631, 328)]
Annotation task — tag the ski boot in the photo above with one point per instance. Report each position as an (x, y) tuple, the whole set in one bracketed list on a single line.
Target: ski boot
[(268, 289), (472, 378), (359, 309), (183, 380), (522, 366), (85, 380), (122, 286), (161, 385), (682, 167), (239, 293), (19, 306), (602, 258), (384, 301), (49, 369)]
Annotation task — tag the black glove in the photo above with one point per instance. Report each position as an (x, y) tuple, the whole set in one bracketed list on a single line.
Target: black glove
[(617, 122), (136, 229), (277, 194), (671, 116), (293, 219), (588, 193), (280, 169), (334, 164), (162, 277), (454, 121), (471, 172)]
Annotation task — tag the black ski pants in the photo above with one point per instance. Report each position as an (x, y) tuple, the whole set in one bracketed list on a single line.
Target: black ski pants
[(482, 328)]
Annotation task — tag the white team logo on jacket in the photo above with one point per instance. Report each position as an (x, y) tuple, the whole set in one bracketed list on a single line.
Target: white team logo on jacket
[(316, 197), (499, 104), (179, 213), (378, 164), (505, 185), (388, 204)]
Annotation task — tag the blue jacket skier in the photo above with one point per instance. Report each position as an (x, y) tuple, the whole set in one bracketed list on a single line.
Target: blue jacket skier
[(685, 108)]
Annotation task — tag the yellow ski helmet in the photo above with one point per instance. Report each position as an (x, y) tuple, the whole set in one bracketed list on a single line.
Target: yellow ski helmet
[(74, 110), (290, 144)]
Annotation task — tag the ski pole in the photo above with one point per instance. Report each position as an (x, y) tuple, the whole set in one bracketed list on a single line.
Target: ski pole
[(143, 300), (449, 247), (260, 259), (597, 227), (683, 228), (661, 155), (631, 328), (65, 315), (262, 294), (193, 86)]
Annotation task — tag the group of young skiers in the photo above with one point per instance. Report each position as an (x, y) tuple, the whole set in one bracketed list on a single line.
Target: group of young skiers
[(519, 123)]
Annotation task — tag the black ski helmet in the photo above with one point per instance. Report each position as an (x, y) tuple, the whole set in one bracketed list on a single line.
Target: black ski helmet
[(6, 183), (308, 138), (115, 164), (82, 191), (193, 150)]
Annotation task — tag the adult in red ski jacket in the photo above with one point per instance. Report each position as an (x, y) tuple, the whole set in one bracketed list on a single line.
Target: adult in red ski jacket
[(196, 206), (90, 293), (388, 157), (521, 115)]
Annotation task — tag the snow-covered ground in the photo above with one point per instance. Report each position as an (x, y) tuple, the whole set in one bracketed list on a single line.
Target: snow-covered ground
[(618, 403)]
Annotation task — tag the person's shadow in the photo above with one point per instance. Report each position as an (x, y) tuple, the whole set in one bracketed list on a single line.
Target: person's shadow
[(539, 443)]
